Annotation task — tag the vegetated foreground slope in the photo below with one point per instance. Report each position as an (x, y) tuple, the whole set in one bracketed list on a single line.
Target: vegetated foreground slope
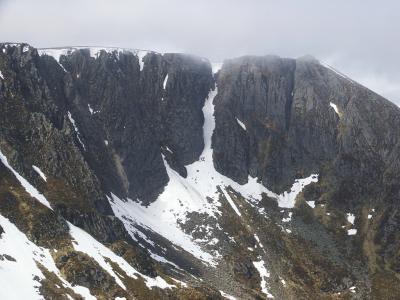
[(138, 175)]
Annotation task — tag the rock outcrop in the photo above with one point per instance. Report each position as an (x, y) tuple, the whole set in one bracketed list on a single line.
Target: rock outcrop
[(107, 135)]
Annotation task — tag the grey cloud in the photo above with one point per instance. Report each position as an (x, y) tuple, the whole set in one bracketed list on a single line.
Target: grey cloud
[(360, 38)]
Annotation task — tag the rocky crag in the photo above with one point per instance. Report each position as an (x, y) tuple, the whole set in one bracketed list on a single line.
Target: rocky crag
[(139, 175)]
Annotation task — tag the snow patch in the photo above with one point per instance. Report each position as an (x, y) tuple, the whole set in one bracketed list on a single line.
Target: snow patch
[(241, 124), (31, 190), (227, 296), (352, 232), (141, 54), (87, 244), (311, 204), (76, 130), (288, 219), (260, 266), (165, 82), (351, 218), (90, 109), (216, 67), (334, 106), (287, 199), (1, 75), (231, 203), (41, 174), (19, 275)]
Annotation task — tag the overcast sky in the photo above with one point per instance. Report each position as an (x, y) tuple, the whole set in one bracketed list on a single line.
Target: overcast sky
[(359, 37)]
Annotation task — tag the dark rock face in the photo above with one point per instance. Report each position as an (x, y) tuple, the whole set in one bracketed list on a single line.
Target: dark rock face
[(136, 115), (290, 128)]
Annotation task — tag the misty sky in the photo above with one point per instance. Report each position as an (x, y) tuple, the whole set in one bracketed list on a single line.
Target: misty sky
[(359, 37)]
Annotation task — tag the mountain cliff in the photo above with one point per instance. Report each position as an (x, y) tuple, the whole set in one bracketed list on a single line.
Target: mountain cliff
[(139, 175)]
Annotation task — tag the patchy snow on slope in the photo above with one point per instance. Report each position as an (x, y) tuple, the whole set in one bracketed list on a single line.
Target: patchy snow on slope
[(334, 106), (352, 232), (351, 218), (231, 203), (31, 190), (76, 130), (165, 82), (90, 109), (1, 75), (41, 174), (161, 217), (288, 219), (311, 203), (184, 195), (241, 124), (85, 243), (141, 54), (287, 199), (18, 277), (260, 266), (227, 296), (216, 67), (55, 53)]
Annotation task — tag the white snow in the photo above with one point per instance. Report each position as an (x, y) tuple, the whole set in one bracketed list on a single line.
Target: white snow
[(260, 266), (41, 174), (31, 190), (165, 82), (287, 199), (334, 106), (141, 54), (216, 67), (231, 203), (56, 54), (25, 49), (161, 217), (184, 284), (311, 204), (87, 244), (288, 219), (227, 296), (352, 232), (351, 218), (258, 241), (369, 216), (19, 275), (241, 124), (352, 289), (90, 109), (76, 130), (1, 75), (106, 142)]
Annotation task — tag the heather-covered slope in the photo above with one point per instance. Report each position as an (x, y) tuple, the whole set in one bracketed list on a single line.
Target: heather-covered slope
[(271, 178)]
